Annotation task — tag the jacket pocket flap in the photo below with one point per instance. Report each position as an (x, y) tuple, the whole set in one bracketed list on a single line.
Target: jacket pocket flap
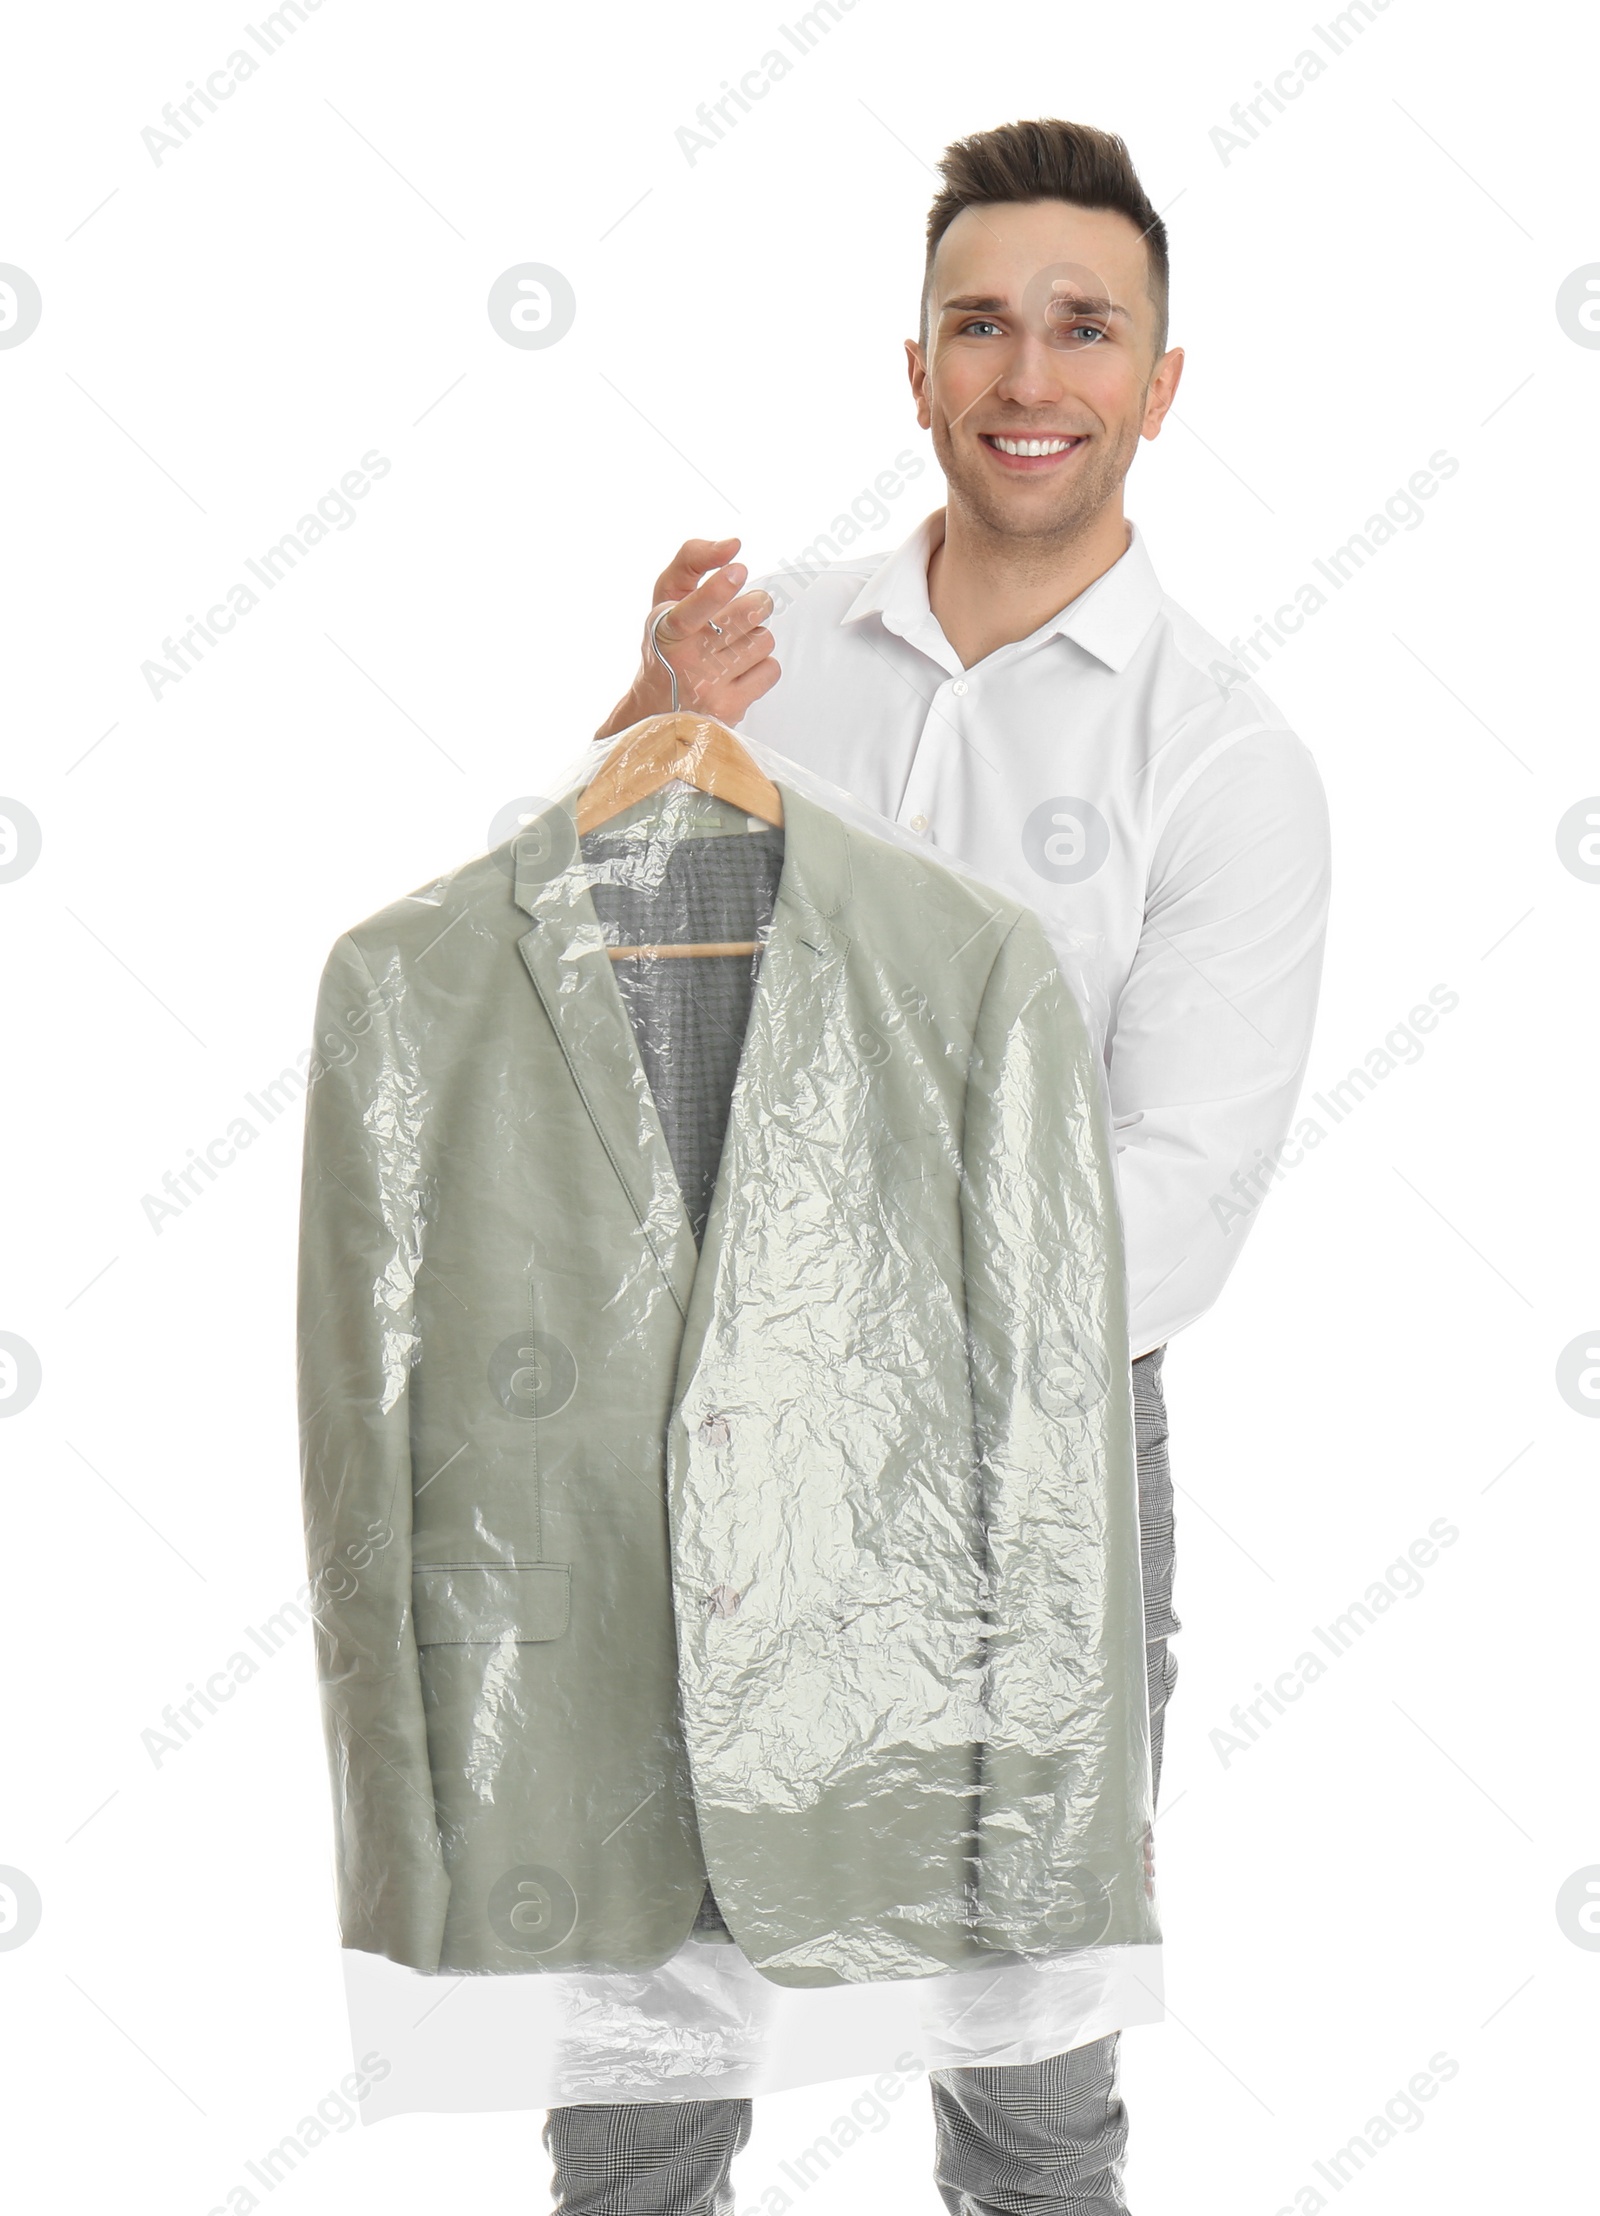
[(471, 1603)]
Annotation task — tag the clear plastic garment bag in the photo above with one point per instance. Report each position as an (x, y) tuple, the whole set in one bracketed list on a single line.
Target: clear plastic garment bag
[(718, 1459)]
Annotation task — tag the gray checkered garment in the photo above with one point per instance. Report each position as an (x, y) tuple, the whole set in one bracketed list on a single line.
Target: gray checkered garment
[(1032, 2139), (689, 1012)]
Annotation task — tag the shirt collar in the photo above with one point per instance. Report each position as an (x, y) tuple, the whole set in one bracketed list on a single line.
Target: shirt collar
[(1107, 619)]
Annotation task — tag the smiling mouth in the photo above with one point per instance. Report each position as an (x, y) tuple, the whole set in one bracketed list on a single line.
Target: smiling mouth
[(1032, 453)]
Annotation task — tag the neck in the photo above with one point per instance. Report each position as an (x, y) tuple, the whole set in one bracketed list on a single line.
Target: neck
[(988, 589)]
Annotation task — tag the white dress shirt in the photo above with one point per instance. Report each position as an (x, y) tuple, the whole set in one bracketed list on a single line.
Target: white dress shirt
[(1119, 773)]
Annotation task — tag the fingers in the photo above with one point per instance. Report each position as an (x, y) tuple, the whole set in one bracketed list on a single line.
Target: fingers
[(706, 654), (708, 663), (733, 621), (743, 614), (725, 683), (690, 564), (706, 602), (744, 691), (712, 632), (739, 652)]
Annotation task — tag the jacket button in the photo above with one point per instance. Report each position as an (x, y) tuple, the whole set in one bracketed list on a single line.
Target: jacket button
[(725, 1600), (714, 1431)]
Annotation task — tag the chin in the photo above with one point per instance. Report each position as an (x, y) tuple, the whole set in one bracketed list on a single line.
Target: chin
[(1023, 508), (1026, 511)]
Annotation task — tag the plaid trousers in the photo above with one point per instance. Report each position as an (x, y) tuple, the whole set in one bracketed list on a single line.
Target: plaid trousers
[(1033, 2139)]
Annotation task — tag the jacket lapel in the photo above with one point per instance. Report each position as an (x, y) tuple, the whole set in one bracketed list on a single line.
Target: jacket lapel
[(786, 1053), (566, 957), (801, 965)]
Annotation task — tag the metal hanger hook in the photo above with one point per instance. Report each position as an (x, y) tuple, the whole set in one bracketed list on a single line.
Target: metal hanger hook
[(661, 658)]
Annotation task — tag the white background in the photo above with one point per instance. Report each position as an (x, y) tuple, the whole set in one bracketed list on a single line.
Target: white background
[(224, 334)]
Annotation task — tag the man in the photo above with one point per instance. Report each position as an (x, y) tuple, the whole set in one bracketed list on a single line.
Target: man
[(1013, 685)]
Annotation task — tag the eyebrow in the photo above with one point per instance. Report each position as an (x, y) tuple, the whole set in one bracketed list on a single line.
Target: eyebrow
[(973, 303)]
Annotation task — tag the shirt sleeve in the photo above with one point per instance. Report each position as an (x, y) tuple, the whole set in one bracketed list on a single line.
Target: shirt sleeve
[(1213, 1027)]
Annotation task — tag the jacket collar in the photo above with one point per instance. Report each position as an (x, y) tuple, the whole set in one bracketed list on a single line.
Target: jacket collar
[(800, 967), (1107, 619)]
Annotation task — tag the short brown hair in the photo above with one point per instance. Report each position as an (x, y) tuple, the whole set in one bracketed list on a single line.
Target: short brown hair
[(1048, 160)]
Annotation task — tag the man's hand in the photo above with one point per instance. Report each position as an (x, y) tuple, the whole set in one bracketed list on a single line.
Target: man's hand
[(715, 638)]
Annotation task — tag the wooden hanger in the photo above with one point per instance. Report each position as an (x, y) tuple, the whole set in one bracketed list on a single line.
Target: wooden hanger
[(692, 750)]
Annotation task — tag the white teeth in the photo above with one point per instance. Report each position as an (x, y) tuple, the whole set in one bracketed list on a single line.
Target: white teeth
[(1031, 446)]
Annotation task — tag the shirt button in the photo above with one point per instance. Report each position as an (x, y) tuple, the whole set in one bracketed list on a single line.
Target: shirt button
[(919, 823), (959, 687), (714, 1431)]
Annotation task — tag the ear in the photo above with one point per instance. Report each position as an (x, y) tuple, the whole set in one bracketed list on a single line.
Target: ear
[(917, 371), (1163, 391)]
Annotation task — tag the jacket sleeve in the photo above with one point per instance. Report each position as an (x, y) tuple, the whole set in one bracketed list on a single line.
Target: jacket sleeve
[(360, 1234), (1064, 1803)]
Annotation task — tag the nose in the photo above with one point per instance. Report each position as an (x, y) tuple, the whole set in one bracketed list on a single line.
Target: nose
[(1032, 376)]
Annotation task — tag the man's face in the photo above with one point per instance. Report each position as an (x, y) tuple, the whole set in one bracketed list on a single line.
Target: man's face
[(1040, 329)]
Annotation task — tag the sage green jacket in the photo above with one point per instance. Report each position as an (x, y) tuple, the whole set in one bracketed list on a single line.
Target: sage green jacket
[(808, 1561)]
